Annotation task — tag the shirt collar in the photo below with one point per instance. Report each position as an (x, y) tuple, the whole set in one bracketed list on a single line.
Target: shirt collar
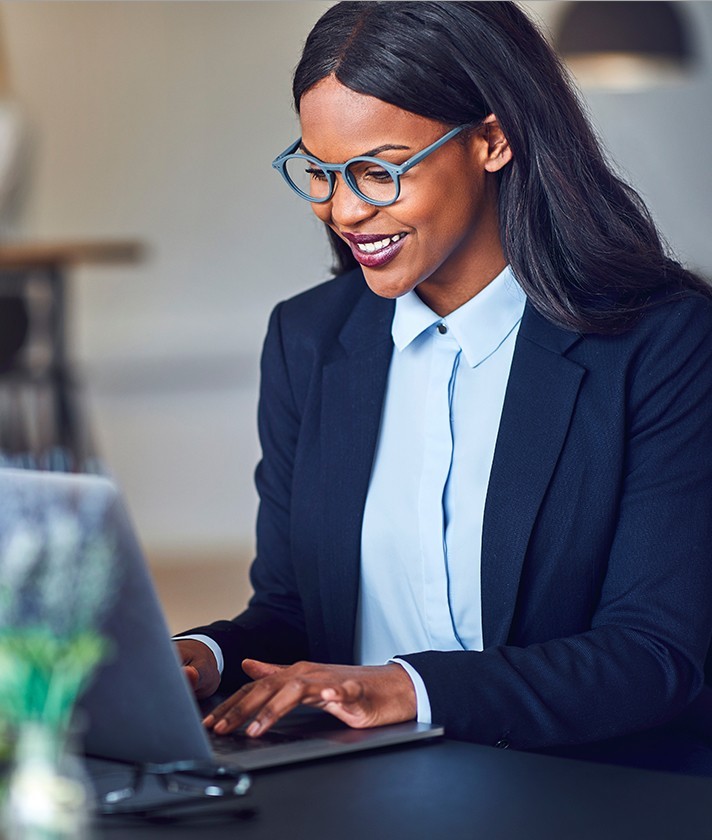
[(479, 326)]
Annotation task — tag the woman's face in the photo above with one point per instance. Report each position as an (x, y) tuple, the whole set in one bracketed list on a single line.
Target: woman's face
[(445, 220)]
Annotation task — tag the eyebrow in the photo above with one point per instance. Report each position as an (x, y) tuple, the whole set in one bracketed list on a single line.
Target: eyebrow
[(386, 147)]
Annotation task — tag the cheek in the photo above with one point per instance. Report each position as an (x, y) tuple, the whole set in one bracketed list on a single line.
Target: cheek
[(437, 202), (455, 212), (322, 212), (434, 217)]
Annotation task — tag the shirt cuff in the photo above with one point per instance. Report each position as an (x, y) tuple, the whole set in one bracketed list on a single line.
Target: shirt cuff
[(423, 713), (208, 642)]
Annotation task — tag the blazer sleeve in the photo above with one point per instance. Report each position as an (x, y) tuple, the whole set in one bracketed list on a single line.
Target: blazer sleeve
[(272, 628), (641, 661)]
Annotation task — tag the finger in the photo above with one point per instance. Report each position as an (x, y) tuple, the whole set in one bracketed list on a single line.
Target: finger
[(256, 669), (244, 704), (270, 700), (291, 694), (221, 709), (191, 672)]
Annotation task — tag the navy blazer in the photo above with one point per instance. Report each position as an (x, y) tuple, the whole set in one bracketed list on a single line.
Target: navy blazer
[(597, 541)]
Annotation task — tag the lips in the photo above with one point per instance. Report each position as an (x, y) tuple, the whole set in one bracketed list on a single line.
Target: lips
[(374, 250)]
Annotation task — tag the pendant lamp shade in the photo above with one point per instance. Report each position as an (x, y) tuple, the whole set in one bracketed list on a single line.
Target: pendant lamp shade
[(624, 44)]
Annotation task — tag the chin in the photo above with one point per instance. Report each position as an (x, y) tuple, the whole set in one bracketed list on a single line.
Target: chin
[(384, 288)]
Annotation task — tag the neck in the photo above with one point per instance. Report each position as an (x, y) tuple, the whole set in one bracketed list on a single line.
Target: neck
[(446, 298)]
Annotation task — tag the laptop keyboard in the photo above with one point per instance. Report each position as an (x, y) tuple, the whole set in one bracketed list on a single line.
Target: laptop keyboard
[(228, 744)]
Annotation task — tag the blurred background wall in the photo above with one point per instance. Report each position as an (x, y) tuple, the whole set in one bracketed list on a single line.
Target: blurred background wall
[(158, 121)]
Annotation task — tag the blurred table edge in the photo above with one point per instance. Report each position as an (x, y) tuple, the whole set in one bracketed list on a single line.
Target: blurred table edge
[(21, 254)]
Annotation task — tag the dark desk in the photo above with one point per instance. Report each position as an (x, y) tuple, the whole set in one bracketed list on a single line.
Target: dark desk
[(454, 790)]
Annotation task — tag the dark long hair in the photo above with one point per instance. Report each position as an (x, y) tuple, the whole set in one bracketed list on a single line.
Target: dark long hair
[(580, 241)]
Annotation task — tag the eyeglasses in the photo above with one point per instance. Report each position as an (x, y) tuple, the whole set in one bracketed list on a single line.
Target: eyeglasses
[(373, 180), (197, 779)]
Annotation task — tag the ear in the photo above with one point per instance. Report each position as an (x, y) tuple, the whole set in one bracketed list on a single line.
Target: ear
[(499, 152)]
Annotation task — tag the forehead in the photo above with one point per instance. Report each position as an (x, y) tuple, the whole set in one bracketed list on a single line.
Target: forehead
[(339, 123)]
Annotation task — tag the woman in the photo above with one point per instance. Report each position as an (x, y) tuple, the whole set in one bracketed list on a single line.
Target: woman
[(486, 476)]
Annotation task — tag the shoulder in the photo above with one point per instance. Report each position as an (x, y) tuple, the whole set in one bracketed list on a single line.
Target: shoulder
[(669, 348), (324, 308), (674, 333), (673, 346), (672, 328), (318, 327), (661, 364), (335, 314), (687, 316)]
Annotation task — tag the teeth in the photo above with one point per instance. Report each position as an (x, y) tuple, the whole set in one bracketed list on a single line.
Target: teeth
[(370, 247)]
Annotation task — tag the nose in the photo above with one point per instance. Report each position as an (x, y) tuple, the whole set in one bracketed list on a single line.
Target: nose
[(345, 208)]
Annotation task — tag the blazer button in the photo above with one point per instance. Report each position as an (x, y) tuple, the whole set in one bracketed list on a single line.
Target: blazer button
[(502, 744)]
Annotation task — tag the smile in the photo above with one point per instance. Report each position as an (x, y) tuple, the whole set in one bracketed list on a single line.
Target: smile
[(373, 250), (372, 247)]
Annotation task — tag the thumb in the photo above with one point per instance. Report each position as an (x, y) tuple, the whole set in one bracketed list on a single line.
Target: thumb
[(349, 692)]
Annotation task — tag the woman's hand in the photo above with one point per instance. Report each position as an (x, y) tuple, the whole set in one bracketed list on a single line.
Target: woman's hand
[(360, 696), (199, 666)]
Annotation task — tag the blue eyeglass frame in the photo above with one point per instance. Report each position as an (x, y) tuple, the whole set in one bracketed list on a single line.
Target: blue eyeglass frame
[(394, 170)]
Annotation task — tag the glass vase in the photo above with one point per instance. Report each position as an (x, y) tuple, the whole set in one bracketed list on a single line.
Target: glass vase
[(48, 795)]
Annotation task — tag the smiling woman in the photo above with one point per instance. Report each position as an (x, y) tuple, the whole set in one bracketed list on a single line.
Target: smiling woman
[(487, 444), (446, 216)]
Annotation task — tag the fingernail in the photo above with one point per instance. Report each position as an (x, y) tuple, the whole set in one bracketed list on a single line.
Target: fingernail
[(253, 729), (220, 726), (208, 720)]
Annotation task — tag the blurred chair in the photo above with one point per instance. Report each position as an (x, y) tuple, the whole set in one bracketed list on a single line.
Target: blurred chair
[(41, 413)]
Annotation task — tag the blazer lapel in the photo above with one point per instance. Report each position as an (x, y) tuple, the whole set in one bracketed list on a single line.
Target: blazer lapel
[(540, 397), (353, 388)]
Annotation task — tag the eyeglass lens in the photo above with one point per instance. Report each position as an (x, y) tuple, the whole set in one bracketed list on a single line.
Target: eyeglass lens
[(367, 178)]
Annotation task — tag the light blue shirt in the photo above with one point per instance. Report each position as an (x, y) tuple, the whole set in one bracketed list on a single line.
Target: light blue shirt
[(422, 528)]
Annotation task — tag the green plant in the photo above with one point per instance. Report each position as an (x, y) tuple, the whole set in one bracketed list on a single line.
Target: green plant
[(56, 579)]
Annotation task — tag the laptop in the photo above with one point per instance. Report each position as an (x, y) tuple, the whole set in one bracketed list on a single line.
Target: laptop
[(139, 707)]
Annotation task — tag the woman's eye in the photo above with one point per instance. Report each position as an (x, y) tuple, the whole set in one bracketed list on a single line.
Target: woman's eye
[(316, 174), (377, 175)]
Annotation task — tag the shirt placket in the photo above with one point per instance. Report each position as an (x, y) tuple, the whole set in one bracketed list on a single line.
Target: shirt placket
[(437, 460)]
